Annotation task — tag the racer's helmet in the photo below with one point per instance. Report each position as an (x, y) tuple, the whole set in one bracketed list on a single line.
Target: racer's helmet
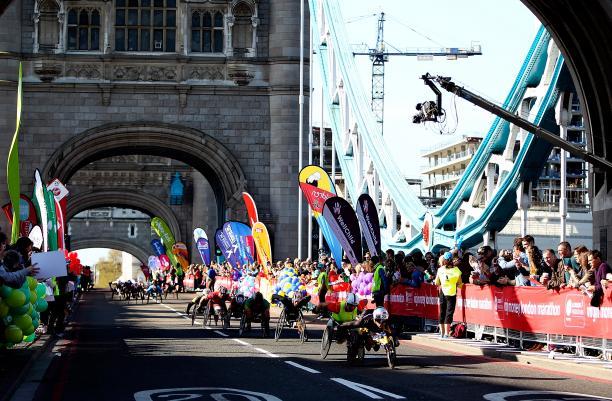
[(206, 292), (223, 290), (351, 299), (297, 296), (380, 315), (240, 299)]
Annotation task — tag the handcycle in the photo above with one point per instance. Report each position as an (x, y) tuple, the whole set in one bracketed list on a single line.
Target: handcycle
[(154, 292), (291, 316), (217, 312), (365, 335), (257, 318), (357, 340)]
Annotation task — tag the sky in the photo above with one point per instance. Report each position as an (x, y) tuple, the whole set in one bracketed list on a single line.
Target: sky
[(91, 256), (505, 30)]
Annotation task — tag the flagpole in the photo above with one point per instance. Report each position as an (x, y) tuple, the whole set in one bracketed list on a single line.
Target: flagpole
[(301, 126), (310, 74)]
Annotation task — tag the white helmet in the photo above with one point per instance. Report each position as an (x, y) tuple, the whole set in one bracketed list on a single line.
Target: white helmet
[(206, 292), (351, 299), (380, 314)]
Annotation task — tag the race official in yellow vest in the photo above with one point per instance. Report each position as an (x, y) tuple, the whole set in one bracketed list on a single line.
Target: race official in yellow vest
[(448, 279)]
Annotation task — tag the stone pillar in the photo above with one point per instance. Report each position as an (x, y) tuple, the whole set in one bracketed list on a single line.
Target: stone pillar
[(602, 221), (284, 41), (127, 269), (204, 214)]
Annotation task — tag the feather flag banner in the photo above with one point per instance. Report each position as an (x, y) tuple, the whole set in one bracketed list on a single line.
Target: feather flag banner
[(12, 167)]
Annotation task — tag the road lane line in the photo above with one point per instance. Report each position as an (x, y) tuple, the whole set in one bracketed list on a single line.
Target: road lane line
[(222, 334), (297, 365), (366, 390), (267, 353), (181, 314), (242, 342)]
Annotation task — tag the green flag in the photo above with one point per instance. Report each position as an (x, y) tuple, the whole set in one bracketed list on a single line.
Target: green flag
[(12, 167)]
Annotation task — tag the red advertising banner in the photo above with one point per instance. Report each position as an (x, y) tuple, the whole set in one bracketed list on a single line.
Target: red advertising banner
[(530, 309)]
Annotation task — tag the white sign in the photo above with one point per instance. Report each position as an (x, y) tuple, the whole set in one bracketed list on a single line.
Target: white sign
[(58, 189), (51, 264)]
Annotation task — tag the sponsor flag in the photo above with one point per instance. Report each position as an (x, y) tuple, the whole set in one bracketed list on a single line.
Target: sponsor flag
[(262, 244), (52, 219), (38, 199), (317, 187), (27, 215), (370, 226), (164, 262), (201, 239), (251, 208), (246, 245), (60, 193), (179, 248), (153, 263), (163, 231), (158, 248), (230, 251), (343, 221), (59, 215), (12, 165)]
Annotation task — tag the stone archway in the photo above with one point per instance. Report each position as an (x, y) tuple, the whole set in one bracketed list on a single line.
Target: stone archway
[(145, 203), (582, 32), (85, 243), (195, 148)]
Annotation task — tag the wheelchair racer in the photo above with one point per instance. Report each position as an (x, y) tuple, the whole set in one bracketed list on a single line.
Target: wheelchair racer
[(258, 306), (344, 313)]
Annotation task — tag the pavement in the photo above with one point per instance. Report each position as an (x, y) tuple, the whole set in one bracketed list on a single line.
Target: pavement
[(16, 362), (591, 367), (120, 351)]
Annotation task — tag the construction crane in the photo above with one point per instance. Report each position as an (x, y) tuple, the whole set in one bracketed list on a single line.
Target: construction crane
[(379, 56)]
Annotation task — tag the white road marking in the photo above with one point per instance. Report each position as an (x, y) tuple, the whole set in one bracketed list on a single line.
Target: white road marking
[(216, 393), (366, 390), (222, 334), (267, 353), (242, 342), (297, 365), (184, 316), (560, 395)]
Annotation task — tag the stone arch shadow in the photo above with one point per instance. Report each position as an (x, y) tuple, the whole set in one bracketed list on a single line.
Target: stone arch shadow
[(118, 245), (140, 201), (195, 148)]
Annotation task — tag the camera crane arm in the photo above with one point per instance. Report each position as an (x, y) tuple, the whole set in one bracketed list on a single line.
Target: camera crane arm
[(446, 83)]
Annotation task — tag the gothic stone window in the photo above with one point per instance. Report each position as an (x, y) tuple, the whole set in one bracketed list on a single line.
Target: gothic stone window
[(145, 25), (83, 29), (242, 31), (206, 31), (48, 26)]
